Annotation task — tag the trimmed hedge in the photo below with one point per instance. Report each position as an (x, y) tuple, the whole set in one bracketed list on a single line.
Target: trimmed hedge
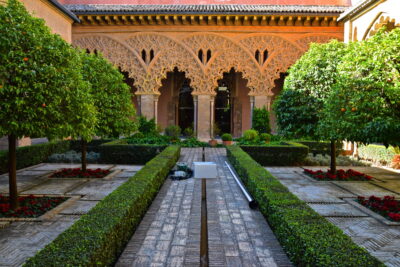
[(307, 237), (98, 238), (91, 146), (376, 153), (120, 152), (32, 155), (286, 154), (321, 147)]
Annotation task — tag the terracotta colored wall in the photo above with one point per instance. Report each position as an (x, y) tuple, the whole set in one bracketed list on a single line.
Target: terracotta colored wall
[(209, 2), (243, 95), (163, 101), (55, 19)]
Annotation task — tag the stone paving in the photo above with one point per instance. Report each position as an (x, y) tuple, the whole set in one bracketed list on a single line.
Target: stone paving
[(333, 200), (169, 234), (21, 240)]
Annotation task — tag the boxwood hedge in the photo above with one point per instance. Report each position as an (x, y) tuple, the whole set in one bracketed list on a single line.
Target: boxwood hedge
[(120, 152), (307, 237), (321, 147), (31, 155), (98, 238), (284, 154)]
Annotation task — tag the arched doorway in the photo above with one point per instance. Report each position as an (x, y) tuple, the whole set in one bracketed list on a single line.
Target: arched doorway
[(232, 104), (175, 103)]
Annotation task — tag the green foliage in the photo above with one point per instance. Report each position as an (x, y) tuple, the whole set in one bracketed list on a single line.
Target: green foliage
[(147, 127), (296, 114), (173, 131), (376, 153), (307, 237), (365, 105), (189, 132), (250, 135), (32, 155), (226, 137), (283, 154), (122, 152), (112, 96), (41, 88), (261, 120), (306, 90), (98, 237), (265, 137), (320, 147), (193, 142), (324, 160)]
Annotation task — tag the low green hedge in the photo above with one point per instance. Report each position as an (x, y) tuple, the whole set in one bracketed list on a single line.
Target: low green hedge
[(376, 153), (31, 155), (120, 152), (285, 154), (307, 237), (91, 146), (320, 147), (98, 238)]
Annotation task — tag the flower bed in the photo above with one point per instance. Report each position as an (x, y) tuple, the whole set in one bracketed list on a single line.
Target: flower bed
[(340, 175), (30, 206), (387, 206), (78, 173)]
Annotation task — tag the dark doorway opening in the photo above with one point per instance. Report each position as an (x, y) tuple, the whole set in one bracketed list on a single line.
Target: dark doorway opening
[(185, 106)]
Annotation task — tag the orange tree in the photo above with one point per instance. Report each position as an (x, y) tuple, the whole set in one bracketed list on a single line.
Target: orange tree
[(112, 99), (41, 87), (365, 105), (306, 90)]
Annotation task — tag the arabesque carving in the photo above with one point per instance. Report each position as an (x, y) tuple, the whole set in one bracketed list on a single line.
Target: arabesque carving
[(169, 52)]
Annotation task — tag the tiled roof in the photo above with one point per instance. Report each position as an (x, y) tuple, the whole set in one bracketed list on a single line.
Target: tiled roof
[(357, 8), (209, 2), (64, 10), (204, 9)]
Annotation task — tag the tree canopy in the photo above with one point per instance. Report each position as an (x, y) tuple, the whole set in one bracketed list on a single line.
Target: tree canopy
[(365, 104), (41, 87), (111, 95)]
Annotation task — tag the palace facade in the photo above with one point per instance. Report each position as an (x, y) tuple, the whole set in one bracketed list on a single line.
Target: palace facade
[(207, 64)]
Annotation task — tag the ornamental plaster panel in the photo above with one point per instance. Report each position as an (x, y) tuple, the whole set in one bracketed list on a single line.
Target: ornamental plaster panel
[(204, 57)]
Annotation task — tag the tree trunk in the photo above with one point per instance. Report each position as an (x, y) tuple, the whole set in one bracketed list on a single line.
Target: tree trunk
[(333, 156), (12, 171), (84, 162)]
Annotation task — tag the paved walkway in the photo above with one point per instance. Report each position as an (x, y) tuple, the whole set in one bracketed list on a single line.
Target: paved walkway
[(169, 234), (21, 240), (334, 200)]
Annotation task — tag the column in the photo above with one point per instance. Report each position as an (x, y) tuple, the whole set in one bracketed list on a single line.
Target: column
[(195, 115), (205, 104), (261, 101), (148, 105), (251, 110)]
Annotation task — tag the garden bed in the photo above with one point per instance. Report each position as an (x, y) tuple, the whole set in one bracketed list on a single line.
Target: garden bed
[(30, 206), (340, 175), (388, 206), (78, 173)]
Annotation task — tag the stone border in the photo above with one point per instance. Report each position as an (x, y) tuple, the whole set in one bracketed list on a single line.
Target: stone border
[(49, 214), (371, 213)]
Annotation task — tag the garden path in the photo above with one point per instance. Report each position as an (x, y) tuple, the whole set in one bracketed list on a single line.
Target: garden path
[(334, 200), (169, 234), (19, 240)]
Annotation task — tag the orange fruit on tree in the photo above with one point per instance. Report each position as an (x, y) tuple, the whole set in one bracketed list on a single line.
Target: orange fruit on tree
[(342, 109), (44, 105), (26, 59), (354, 109)]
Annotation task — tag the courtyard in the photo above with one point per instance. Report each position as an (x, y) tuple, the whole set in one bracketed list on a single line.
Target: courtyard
[(233, 133)]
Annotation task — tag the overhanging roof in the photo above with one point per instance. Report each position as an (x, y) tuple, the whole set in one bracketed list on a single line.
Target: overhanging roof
[(64, 10), (205, 9), (357, 8)]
